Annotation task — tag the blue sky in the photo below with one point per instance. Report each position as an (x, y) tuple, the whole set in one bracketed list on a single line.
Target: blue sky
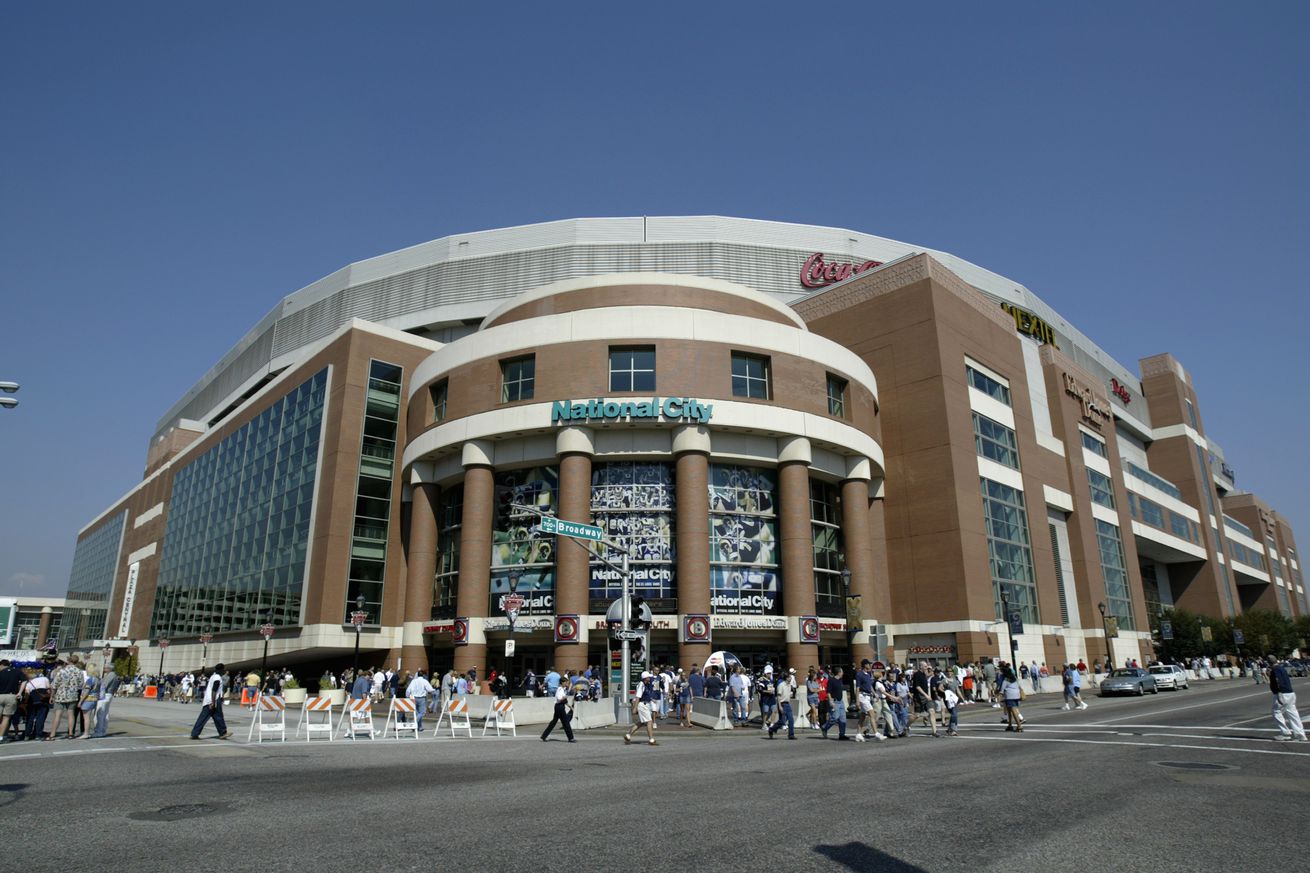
[(169, 171)]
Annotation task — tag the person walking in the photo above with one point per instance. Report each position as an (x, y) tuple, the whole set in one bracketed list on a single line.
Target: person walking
[(782, 694), (641, 707), (211, 706), (1077, 679), (418, 690), (1285, 712), (1012, 694), (736, 694), (362, 687), (837, 701), (563, 712)]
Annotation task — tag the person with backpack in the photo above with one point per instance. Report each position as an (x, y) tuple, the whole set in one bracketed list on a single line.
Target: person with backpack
[(37, 691)]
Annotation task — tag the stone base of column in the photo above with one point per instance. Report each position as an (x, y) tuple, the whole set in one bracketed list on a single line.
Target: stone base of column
[(802, 656), (413, 658), (693, 655), (570, 657), (470, 656)]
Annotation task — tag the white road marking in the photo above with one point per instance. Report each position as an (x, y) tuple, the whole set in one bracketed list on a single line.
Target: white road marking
[(1149, 745), (1180, 708)]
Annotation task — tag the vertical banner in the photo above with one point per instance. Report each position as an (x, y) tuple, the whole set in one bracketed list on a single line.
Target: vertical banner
[(129, 598)]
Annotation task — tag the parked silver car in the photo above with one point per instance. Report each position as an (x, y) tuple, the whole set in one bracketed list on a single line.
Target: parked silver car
[(1169, 676), (1129, 680)]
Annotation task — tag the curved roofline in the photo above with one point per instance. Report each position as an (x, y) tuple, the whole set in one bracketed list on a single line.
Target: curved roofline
[(611, 280)]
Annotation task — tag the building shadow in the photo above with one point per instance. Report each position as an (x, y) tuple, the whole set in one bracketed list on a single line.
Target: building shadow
[(864, 858)]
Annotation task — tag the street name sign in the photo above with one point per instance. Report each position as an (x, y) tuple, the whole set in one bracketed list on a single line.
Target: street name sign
[(575, 529)]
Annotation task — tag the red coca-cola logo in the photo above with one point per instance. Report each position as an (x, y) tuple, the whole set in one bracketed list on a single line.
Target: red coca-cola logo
[(816, 272), (1118, 389)]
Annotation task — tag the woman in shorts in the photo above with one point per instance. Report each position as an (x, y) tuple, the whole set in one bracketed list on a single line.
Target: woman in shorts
[(1012, 694), (812, 698)]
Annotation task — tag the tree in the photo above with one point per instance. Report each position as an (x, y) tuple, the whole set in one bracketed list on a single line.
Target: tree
[(1188, 641), (1267, 632)]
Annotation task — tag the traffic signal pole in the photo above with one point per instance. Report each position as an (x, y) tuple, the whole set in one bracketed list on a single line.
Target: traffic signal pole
[(623, 713)]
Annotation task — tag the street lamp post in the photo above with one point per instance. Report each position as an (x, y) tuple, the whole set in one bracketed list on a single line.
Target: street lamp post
[(205, 639), (1105, 629), (512, 606), (357, 618), (1005, 620), (267, 632), (846, 599), (163, 645)]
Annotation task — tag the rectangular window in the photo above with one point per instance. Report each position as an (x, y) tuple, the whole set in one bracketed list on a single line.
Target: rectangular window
[(750, 376), (1009, 549), (995, 441), (1117, 601), (518, 378), (744, 576), (1191, 414), (987, 385), (829, 557), (1059, 576), (1152, 513), (1102, 489), (439, 392), (1093, 445), (1182, 527), (632, 369), (836, 396)]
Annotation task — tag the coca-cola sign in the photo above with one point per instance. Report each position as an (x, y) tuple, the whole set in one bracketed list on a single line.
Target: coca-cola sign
[(816, 272)]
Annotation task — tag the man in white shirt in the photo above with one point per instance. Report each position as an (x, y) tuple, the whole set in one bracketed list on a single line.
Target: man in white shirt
[(212, 706), (783, 692), (563, 709), (418, 690), (379, 680)]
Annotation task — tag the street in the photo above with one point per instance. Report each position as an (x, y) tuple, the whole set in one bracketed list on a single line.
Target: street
[(1183, 781)]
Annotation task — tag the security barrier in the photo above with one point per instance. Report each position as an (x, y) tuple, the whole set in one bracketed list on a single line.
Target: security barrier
[(710, 713), (357, 718), (307, 711), (270, 717), (501, 716), (457, 711), (396, 718)]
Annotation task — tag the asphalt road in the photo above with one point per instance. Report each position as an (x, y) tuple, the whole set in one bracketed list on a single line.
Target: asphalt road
[(1100, 789)]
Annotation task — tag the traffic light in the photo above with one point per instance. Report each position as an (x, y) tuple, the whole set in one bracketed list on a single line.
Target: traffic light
[(639, 615)]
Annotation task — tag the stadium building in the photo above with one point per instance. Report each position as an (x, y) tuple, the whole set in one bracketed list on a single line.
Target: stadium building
[(813, 444)]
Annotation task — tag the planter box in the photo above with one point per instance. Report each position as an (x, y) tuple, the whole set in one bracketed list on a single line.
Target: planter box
[(294, 696)]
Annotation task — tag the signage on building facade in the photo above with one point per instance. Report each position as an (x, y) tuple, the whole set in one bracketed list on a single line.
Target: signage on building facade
[(129, 597), (931, 650), (1120, 390), (666, 409), (816, 272), (1027, 323), (747, 622), (752, 601), (1095, 411)]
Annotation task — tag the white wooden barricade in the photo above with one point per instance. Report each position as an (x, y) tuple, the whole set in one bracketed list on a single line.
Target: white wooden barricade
[(357, 718), (501, 716), (457, 712), (401, 707), (308, 725), (276, 709)]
